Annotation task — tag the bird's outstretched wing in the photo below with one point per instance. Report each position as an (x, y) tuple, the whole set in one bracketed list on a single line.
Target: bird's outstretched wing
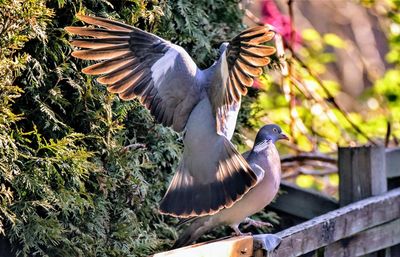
[(134, 63), (243, 60), (245, 57)]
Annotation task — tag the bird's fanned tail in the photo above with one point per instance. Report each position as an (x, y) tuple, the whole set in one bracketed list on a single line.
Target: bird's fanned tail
[(189, 198)]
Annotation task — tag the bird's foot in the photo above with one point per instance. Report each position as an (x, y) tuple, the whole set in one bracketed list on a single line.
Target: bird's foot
[(238, 232), (242, 234), (256, 223)]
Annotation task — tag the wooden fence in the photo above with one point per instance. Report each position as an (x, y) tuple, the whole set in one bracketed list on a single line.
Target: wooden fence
[(365, 221), (367, 224)]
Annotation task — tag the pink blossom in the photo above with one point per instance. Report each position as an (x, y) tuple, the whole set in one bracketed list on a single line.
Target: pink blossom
[(273, 16), (257, 84)]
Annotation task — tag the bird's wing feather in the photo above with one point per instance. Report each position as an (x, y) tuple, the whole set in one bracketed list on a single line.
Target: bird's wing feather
[(134, 63), (260, 172), (241, 63)]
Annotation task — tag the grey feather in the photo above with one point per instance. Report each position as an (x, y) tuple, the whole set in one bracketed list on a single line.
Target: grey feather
[(204, 103), (265, 161)]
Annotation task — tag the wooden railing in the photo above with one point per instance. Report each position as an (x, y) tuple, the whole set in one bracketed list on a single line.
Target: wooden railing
[(357, 229), (367, 223)]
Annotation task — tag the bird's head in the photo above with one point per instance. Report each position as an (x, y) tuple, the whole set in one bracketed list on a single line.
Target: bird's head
[(270, 132)]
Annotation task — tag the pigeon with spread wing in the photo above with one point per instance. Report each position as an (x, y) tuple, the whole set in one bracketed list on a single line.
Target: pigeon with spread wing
[(265, 161), (133, 63)]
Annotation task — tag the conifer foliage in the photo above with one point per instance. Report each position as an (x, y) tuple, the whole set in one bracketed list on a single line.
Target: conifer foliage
[(81, 172)]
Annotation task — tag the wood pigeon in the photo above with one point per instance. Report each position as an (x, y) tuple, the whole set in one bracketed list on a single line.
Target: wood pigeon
[(265, 162), (204, 104)]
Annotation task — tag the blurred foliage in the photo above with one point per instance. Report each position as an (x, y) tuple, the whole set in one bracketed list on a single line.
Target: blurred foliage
[(386, 91), (307, 106), (81, 172)]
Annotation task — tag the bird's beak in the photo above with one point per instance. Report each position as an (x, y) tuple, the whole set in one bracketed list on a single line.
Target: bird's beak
[(283, 136)]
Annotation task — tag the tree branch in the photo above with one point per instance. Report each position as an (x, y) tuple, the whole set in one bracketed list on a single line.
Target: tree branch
[(309, 157)]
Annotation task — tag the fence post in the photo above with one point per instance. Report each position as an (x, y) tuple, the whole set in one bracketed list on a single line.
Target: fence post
[(362, 173)]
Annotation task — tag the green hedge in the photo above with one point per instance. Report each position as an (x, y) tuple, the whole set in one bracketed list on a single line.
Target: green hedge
[(81, 172)]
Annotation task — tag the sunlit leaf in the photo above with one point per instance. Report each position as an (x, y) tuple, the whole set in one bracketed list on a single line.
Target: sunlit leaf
[(334, 40)]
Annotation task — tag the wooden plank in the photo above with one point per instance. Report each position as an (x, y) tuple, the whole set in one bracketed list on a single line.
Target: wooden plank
[(338, 224), (232, 247), (302, 203), (393, 162), (362, 173), (367, 241)]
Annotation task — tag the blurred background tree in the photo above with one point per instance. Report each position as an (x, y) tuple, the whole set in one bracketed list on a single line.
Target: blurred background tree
[(81, 172), (343, 82)]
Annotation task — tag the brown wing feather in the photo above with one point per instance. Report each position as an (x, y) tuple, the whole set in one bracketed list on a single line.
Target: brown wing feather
[(105, 23), (103, 53), (127, 56), (242, 77), (108, 65), (246, 56), (254, 61), (97, 33), (97, 42), (235, 93), (257, 51), (236, 83), (248, 69)]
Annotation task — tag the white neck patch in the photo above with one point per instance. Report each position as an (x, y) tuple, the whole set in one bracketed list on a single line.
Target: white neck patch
[(262, 145)]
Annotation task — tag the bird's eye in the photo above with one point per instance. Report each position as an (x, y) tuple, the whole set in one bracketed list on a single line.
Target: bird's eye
[(275, 129)]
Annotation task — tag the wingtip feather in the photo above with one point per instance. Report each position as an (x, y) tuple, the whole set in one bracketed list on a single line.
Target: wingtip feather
[(104, 22), (71, 29)]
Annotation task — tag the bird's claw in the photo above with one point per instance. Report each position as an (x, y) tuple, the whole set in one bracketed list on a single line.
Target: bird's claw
[(241, 234), (237, 232), (256, 223)]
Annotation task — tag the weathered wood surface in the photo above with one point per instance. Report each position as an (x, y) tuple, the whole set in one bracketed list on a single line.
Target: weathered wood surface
[(307, 204), (362, 173), (311, 235), (367, 241), (393, 162), (231, 247), (303, 203), (333, 226)]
